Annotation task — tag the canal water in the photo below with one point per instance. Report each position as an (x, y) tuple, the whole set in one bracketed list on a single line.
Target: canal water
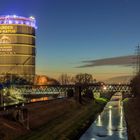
[(110, 124)]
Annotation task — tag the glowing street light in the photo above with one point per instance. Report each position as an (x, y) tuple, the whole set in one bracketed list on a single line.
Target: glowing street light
[(104, 88)]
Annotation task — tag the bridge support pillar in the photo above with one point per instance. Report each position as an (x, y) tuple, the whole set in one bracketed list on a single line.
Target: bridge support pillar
[(78, 96)]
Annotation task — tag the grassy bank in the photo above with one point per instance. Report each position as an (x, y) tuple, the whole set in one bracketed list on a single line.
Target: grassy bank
[(132, 115), (69, 124)]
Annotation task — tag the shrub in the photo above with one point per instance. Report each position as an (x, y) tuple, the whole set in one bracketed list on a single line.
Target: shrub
[(89, 94), (135, 85)]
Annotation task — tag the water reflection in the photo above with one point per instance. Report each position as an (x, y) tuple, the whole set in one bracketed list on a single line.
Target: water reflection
[(39, 99), (99, 122), (121, 126), (110, 124)]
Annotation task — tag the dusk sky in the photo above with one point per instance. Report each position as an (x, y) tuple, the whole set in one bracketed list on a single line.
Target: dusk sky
[(71, 32)]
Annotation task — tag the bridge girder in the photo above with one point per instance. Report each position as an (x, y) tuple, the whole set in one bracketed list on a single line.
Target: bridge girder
[(43, 89)]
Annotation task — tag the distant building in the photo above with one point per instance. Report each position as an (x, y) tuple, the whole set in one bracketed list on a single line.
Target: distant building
[(17, 46)]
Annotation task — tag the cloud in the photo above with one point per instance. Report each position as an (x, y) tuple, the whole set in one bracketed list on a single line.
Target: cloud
[(121, 60)]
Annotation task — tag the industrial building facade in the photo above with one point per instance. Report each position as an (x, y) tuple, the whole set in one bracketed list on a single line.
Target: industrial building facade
[(17, 46)]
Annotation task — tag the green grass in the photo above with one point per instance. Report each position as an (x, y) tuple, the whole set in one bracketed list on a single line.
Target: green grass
[(102, 100), (126, 100)]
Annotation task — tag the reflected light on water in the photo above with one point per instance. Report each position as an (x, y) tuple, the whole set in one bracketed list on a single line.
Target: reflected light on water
[(121, 118), (99, 122), (39, 99), (121, 122), (110, 123)]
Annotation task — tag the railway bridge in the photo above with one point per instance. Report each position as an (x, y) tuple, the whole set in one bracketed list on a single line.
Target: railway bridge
[(44, 89), (77, 89)]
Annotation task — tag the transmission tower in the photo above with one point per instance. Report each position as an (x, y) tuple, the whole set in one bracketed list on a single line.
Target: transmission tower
[(138, 59)]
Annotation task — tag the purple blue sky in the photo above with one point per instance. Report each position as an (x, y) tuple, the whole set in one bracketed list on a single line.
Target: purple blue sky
[(72, 31)]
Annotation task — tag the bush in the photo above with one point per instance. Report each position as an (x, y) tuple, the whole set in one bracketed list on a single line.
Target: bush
[(102, 100), (135, 85), (89, 94)]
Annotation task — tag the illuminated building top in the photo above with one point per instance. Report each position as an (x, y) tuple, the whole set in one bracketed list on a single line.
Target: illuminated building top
[(13, 19)]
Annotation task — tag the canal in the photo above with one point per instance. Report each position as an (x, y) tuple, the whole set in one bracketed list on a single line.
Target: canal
[(110, 124)]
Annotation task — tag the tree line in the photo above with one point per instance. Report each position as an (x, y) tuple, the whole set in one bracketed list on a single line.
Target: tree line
[(64, 79), (81, 78)]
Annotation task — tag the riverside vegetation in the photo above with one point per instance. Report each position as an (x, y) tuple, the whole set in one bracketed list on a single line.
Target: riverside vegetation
[(132, 110)]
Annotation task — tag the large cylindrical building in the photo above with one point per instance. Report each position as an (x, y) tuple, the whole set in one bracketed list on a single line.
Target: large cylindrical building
[(17, 46)]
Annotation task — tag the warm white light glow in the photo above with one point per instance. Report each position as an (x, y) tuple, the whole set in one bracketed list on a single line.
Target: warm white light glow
[(14, 16), (104, 87), (121, 122), (110, 123), (99, 122), (32, 17), (110, 107)]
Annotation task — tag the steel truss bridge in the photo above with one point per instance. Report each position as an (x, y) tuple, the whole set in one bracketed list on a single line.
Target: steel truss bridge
[(52, 89)]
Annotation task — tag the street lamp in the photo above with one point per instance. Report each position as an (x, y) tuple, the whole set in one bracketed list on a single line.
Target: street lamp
[(104, 88)]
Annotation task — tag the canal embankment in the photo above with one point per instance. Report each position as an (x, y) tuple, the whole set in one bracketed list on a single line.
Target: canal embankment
[(59, 119), (132, 115)]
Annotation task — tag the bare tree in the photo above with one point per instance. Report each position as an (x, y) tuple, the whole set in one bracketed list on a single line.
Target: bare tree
[(64, 79), (83, 78)]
